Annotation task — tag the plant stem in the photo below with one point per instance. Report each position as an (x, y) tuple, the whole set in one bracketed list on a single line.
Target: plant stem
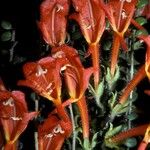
[(73, 128), (130, 78), (36, 133)]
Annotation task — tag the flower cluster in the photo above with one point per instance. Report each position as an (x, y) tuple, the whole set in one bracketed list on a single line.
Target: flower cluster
[(62, 71)]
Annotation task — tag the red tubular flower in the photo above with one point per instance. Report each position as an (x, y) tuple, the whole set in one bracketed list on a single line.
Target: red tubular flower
[(77, 80), (76, 76), (44, 78), (91, 19), (14, 116), (53, 21), (139, 76), (119, 14), (146, 140), (146, 39), (146, 10), (147, 92), (136, 131), (54, 130)]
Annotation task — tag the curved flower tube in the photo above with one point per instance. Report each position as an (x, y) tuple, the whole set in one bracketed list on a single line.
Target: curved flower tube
[(139, 76), (119, 14), (136, 131), (53, 21), (91, 19), (146, 39), (54, 130), (14, 116)]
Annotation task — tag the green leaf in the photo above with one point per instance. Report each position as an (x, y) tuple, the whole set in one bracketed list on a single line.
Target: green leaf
[(131, 142), (113, 131), (86, 144), (112, 80), (107, 45), (141, 32), (132, 116), (142, 3), (94, 140), (6, 36), (112, 100), (99, 92), (137, 45), (141, 20), (6, 25)]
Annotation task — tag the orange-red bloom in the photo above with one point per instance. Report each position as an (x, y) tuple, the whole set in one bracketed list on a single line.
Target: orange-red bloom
[(76, 76), (119, 14), (147, 57), (44, 77), (54, 130), (146, 140), (14, 116), (77, 80), (53, 21), (91, 19)]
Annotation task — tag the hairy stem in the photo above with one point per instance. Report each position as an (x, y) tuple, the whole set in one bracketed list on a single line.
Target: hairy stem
[(114, 53), (84, 116), (140, 75), (137, 131), (94, 49)]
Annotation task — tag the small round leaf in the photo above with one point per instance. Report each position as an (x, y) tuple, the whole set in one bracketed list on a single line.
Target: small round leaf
[(6, 36), (6, 25), (130, 143)]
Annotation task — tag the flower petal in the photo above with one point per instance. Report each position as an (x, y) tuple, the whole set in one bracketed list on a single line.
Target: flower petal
[(92, 24), (53, 21), (22, 124)]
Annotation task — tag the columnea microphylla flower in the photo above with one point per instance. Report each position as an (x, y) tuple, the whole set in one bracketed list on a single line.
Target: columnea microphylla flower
[(146, 140), (53, 21), (91, 19), (43, 76), (76, 76), (77, 79), (146, 39), (119, 14), (54, 130), (14, 116)]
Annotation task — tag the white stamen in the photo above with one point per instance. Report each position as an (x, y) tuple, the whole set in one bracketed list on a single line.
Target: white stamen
[(64, 67), (49, 86), (123, 14), (59, 7), (89, 26), (50, 135), (40, 71), (58, 129), (9, 102), (58, 54), (16, 118), (129, 1)]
